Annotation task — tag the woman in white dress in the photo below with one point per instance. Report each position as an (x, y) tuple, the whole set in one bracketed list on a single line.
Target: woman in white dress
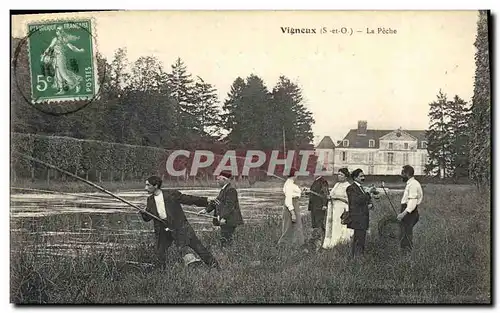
[(335, 232)]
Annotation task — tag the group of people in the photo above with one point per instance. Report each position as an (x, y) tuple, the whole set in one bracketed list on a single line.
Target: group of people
[(339, 215), (342, 214)]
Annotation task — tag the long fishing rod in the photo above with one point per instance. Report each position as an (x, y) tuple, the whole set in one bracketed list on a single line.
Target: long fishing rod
[(99, 188), (84, 196), (59, 192), (390, 201)]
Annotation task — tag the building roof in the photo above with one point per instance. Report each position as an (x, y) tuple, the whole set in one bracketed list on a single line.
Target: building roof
[(326, 143), (356, 141)]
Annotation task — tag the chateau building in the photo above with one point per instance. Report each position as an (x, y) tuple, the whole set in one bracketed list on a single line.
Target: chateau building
[(380, 152)]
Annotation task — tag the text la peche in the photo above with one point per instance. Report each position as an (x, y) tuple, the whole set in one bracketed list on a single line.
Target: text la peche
[(381, 30)]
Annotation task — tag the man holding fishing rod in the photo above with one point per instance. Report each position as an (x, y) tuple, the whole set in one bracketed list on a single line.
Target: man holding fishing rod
[(226, 208), (166, 204)]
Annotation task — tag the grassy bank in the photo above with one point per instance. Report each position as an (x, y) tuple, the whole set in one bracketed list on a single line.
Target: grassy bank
[(450, 264)]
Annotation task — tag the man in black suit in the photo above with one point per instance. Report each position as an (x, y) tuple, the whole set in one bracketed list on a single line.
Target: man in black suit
[(359, 214), (318, 203), (166, 204), (226, 209)]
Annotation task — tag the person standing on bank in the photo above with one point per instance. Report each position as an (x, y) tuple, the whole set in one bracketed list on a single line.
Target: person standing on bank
[(335, 231), (292, 231), (166, 204), (318, 203), (412, 197), (359, 202), (226, 209)]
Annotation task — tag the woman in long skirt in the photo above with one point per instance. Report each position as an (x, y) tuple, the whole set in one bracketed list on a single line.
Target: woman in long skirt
[(292, 230), (335, 232)]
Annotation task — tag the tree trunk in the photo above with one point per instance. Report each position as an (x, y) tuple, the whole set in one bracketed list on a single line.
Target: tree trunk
[(123, 176), (100, 176), (87, 175), (48, 176)]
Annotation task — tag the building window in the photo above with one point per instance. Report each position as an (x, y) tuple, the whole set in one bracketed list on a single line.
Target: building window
[(345, 143), (390, 158), (344, 156), (370, 170), (390, 146), (423, 159), (406, 145), (370, 157), (371, 143), (424, 144), (405, 158)]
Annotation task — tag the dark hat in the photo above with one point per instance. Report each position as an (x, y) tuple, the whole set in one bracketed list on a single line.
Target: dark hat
[(226, 174)]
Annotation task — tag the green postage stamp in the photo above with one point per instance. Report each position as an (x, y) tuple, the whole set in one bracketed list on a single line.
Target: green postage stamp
[(61, 56)]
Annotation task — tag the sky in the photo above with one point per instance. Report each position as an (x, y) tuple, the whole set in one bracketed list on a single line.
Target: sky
[(386, 79)]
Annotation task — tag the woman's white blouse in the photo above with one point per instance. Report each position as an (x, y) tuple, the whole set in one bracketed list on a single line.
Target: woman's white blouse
[(291, 190)]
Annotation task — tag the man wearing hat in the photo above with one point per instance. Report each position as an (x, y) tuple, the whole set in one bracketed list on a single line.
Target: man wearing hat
[(226, 209)]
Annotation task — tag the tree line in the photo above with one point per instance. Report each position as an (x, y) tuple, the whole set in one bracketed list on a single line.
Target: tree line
[(141, 103), (459, 134)]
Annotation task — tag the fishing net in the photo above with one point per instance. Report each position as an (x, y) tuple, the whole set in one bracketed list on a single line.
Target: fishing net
[(389, 228)]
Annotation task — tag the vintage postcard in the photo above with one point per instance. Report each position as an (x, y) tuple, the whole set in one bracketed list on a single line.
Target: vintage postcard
[(318, 157)]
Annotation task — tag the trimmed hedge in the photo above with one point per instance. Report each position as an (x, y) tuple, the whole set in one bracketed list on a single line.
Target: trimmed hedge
[(96, 160), (83, 157)]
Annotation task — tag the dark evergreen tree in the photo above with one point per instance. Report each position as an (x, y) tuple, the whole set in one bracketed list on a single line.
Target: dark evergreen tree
[(480, 123), (459, 131), (206, 109), (181, 87), (295, 119), (438, 137), (233, 112)]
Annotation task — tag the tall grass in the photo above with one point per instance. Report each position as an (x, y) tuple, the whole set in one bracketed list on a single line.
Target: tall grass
[(450, 264)]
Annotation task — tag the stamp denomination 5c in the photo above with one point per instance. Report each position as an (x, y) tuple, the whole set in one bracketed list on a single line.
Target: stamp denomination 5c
[(61, 61)]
